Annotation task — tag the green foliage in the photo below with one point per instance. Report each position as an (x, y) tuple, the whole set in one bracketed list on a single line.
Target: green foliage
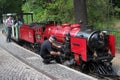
[(99, 12), (62, 10), (10, 6), (59, 10), (117, 11), (116, 6), (116, 3)]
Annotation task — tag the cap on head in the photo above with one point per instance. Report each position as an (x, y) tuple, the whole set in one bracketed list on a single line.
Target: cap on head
[(9, 14), (52, 37)]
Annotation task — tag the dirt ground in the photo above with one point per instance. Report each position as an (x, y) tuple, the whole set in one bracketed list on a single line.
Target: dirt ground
[(116, 62), (117, 58)]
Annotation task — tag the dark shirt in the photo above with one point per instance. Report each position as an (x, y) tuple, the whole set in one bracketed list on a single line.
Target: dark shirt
[(46, 47)]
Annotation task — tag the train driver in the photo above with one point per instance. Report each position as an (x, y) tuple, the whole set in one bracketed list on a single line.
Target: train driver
[(47, 52)]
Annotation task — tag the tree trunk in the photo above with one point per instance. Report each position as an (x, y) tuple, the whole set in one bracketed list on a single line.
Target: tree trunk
[(80, 12)]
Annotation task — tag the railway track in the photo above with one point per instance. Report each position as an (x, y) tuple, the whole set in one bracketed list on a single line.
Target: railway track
[(112, 77), (98, 76), (106, 77)]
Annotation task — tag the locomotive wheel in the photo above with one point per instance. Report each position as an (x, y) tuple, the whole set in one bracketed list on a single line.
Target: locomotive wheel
[(84, 68), (92, 68)]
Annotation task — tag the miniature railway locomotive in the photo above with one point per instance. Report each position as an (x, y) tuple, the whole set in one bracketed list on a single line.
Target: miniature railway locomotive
[(91, 50)]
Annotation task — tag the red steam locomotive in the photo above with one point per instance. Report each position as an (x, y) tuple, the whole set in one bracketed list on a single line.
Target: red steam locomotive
[(91, 50)]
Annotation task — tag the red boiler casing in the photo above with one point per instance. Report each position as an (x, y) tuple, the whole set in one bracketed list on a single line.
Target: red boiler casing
[(60, 31)]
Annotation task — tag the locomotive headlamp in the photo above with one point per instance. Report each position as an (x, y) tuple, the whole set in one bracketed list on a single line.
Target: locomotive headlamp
[(38, 36)]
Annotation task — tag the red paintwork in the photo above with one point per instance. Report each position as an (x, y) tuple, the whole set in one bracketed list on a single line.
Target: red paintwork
[(27, 34), (111, 43), (79, 47), (60, 31), (39, 31), (74, 31)]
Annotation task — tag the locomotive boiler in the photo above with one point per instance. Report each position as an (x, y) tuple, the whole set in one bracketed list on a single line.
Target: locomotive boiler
[(91, 50)]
